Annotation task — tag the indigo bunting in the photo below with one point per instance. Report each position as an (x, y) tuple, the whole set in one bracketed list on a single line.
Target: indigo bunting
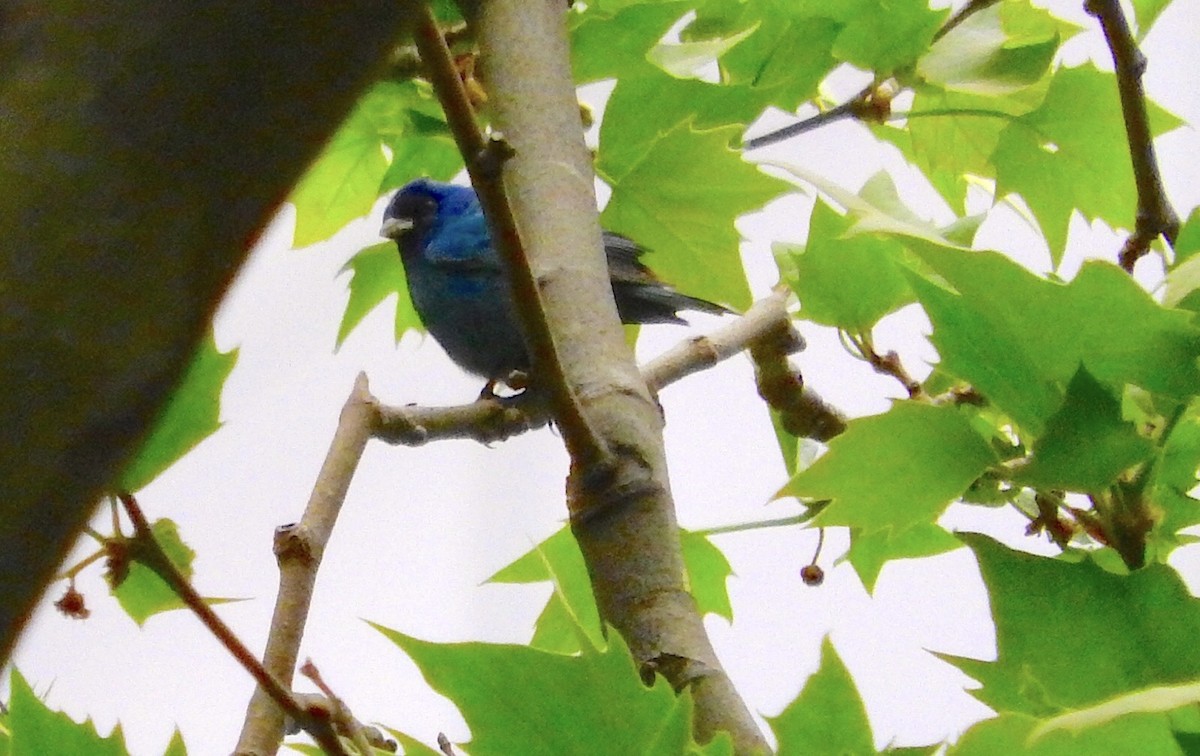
[(458, 288)]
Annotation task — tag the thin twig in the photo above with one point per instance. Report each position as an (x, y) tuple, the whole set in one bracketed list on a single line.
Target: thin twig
[(339, 712), (873, 103), (847, 109), (813, 509), (1155, 216), (151, 554), (887, 364), (963, 14)]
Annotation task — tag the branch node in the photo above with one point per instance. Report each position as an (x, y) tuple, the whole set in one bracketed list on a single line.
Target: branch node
[(291, 544), (489, 162)]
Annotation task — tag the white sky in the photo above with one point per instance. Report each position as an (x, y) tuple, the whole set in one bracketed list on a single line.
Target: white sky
[(423, 527)]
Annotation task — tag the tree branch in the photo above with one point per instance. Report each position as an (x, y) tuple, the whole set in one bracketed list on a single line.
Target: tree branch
[(484, 159), (873, 103), (618, 493), (489, 420), (298, 550), (299, 547), (1155, 216), (152, 555)]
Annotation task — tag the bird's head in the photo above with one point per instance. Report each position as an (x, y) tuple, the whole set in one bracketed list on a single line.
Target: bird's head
[(413, 211)]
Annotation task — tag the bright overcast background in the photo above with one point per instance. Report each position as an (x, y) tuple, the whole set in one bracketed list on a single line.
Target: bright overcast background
[(422, 528)]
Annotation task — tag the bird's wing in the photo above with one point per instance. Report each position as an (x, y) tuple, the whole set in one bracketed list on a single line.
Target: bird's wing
[(642, 297), (460, 241), (623, 263)]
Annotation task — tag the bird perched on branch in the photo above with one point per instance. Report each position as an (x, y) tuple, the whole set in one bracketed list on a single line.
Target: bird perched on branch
[(457, 284)]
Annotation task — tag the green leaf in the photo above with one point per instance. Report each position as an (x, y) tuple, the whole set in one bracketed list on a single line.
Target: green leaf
[(176, 747), (143, 593), (1019, 339), (686, 60), (1172, 480), (1071, 154), (788, 55), (1183, 277), (681, 198), (572, 606), (884, 36), (412, 746), (629, 132), (877, 207), (1182, 284), (1143, 734), (1146, 12), (849, 282), (192, 415), (611, 40), (708, 570), (36, 730), (376, 274), (518, 700), (828, 717), (1087, 443), (1072, 635), (344, 182), (354, 168), (998, 50), (1162, 698), (974, 81), (870, 550), (895, 470), (1187, 243), (950, 135), (416, 156)]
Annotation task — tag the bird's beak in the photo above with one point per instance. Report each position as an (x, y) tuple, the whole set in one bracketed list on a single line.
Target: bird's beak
[(394, 228)]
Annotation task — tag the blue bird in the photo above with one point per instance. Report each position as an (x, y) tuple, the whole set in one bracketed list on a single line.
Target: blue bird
[(457, 284)]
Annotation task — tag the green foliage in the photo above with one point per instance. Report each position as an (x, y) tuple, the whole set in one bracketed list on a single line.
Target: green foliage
[(1011, 733), (138, 587), (1019, 339), (1089, 418), (571, 608), (680, 195), (828, 717), (192, 415), (354, 169), (570, 616), (847, 282), (870, 549), (895, 470), (36, 730), (1071, 635), (1063, 158), (376, 274), (517, 699)]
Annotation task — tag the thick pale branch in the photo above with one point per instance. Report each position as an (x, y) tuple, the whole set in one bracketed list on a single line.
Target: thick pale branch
[(618, 492), (484, 160)]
